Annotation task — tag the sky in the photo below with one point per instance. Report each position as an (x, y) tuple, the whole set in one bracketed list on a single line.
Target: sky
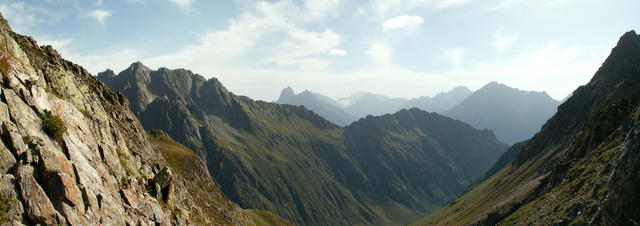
[(399, 48)]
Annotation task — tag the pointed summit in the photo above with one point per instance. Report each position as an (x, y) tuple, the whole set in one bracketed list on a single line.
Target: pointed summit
[(626, 52), (138, 66), (4, 25), (460, 89), (107, 76), (629, 37), (286, 93), (494, 85), (514, 115)]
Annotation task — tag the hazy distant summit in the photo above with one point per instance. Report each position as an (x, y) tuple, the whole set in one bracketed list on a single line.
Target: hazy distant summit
[(440, 102), (514, 115), (321, 105), (358, 105)]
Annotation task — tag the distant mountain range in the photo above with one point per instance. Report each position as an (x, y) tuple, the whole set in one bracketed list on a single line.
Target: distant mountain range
[(358, 105), (514, 115), (78, 151), (322, 105), (383, 170), (582, 168)]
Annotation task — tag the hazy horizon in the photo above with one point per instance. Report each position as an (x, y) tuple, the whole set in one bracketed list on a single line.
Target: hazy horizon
[(402, 48)]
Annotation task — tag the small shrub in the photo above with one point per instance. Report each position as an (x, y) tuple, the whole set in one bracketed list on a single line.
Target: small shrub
[(5, 205), (176, 212), (86, 114), (125, 181), (53, 125)]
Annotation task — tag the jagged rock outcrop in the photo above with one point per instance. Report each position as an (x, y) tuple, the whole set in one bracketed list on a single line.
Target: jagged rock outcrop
[(73, 153), (582, 168)]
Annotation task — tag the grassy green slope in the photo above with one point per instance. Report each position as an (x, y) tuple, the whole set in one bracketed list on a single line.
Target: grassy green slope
[(210, 202)]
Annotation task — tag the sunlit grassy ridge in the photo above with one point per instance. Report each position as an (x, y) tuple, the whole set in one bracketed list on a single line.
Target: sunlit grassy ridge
[(188, 165)]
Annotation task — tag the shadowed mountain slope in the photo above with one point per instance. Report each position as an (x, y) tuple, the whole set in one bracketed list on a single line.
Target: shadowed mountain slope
[(306, 169), (582, 168)]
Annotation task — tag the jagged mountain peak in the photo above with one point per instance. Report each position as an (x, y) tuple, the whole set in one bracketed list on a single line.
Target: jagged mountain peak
[(4, 24), (286, 93), (138, 66), (629, 36), (494, 84)]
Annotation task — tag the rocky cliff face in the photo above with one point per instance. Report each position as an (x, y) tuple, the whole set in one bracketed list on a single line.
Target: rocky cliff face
[(581, 168), (72, 153)]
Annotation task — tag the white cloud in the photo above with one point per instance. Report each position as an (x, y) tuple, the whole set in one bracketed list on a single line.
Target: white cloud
[(185, 4), (100, 15), (380, 52), (383, 9), (504, 43), (318, 9), (455, 56), (449, 3), (403, 21), (296, 47), (57, 44), (19, 16), (116, 60), (553, 68), (337, 52)]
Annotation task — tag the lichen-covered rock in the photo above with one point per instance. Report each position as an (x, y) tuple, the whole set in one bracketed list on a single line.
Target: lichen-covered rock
[(9, 196), (7, 160), (73, 153), (39, 208)]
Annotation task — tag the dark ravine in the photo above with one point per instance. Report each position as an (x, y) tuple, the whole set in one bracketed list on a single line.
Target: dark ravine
[(72, 153), (581, 168), (306, 169)]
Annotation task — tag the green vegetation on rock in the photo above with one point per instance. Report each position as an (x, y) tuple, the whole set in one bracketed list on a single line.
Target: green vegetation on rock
[(52, 125), (5, 206)]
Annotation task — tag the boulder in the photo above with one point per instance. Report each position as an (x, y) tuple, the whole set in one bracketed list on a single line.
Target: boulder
[(9, 196), (7, 160), (39, 208)]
